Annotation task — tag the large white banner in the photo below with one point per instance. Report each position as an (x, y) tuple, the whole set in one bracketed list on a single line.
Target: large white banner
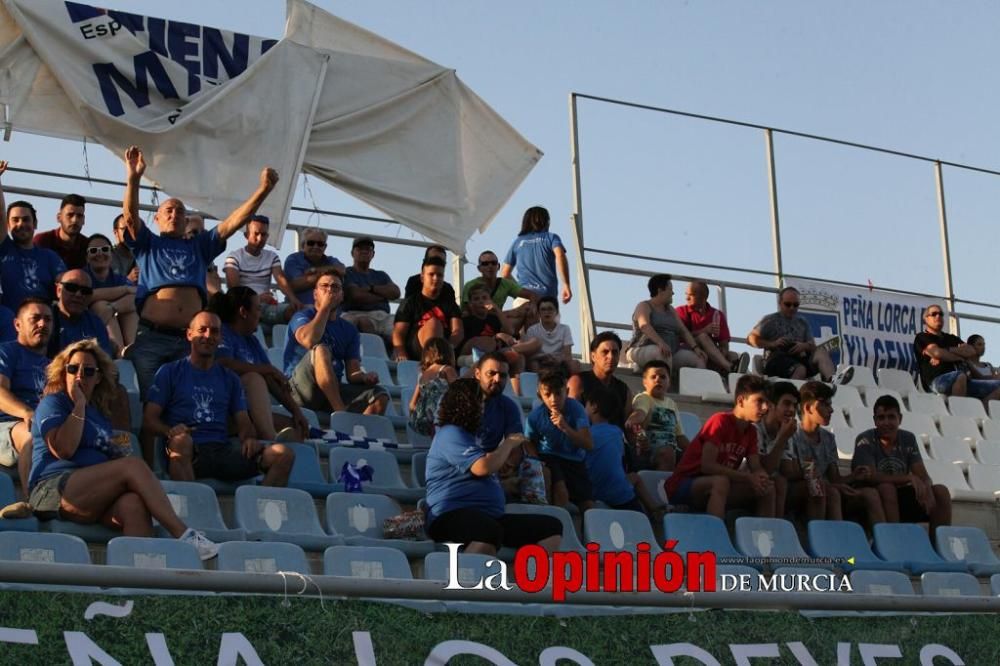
[(865, 327), (212, 107)]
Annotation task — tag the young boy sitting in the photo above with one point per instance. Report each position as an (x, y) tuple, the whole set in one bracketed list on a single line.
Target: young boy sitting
[(708, 477), (559, 427), (814, 481), (773, 433), (656, 415), (605, 461)]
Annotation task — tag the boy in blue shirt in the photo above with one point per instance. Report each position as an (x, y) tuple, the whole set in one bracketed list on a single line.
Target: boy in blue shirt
[(560, 429), (606, 460)]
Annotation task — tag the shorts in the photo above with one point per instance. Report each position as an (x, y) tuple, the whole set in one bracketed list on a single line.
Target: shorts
[(512, 530), (8, 454), (975, 388), (46, 497), (682, 358), (780, 364), (274, 313), (682, 495), (225, 461), (910, 510), (381, 320), (308, 394), (573, 473)]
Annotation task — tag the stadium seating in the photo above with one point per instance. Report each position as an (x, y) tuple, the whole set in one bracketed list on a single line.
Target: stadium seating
[(379, 366), (307, 472), (880, 583), (950, 476), (126, 375), (373, 345), (8, 496), (616, 530), (261, 557), (705, 384), (861, 377), (405, 396), (43, 547), (843, 539), (359, 518), (386, 479), (311, 416), (897, 380), (690, 424), (653, 482), (529, 384), (959, 426), (471, 569), (143, 553), (847, 397), (921, 424), (986, 480), (699, 533), (276, 356), (279, 335), (993, 407), (845, 439), (197, 505), (281, 514), (968, 407), (991, 429), (770, 537), (908, 543), (935, 583), (731, 381), (407, 372), (874, 393), (418, 469), (968, 546), (995, 585), (570, 540), (859, 417), (951, 450), (91, 533), (927, 403), (363, 425), (366, 562), (838, 420), (988, 450)]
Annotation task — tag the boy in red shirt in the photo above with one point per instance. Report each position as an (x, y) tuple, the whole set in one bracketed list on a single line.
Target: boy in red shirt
[(708, 477)]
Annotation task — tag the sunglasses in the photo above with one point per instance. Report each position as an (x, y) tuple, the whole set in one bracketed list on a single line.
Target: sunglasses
[(74, 288), (104, 249), (88, 370), (791, 305), (934, 314), (315, 244)]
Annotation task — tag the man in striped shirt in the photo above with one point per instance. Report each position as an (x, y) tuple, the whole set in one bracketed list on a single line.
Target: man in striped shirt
[(254, 265)]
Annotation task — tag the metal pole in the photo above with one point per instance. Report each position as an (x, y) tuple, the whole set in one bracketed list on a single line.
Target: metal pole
[(586, 306), (458, 275), (772, 190), (949, 287)]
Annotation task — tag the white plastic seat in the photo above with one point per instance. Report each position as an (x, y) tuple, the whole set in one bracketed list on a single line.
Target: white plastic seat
[(732, 379), (927, 403), (988, 451), (985, 479), (968, 407), (881, 583), (951, 450), (949, 584), (991, 429), (959, 426), (874, 393), (860, 418), (951, 477), (994, 409), (706, 384), (847, 397), (838, 420), (845, 438), (920, 424), (862, 376), (897, 380)]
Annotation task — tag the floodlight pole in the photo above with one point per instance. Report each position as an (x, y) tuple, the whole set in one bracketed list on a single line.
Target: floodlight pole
[(949, 287), (772, 191), (587, 331)]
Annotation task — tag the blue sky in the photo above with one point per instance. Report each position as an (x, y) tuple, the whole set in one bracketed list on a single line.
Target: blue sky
[(911, 76)]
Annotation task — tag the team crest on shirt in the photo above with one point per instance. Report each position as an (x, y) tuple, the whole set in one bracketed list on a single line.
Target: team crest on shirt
[(203, 412), (39, 380), (30, 276), (178, 262)]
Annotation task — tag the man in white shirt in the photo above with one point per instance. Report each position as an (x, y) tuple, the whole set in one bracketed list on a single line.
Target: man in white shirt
[(254, 265)]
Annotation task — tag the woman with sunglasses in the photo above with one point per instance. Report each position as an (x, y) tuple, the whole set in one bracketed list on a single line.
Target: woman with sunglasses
[(80, 470), (114, 296)]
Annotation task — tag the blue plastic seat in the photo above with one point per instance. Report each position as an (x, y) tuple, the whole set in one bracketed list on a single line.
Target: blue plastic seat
[(570, 539), (43, 547), (842, 539), (949, 584), (690, 424), (197, 505), (144, 553), (529, 384), (307, 472), (653, 480), (276, 356), (261, 557), (995, 585), (908, 543), (968, 546), (366, 562), (880, 583), (418, 469), (359, 518), (770, 537), (311, 416), (126, 375), (7, 496), (700, 533), (279, 335), (281, 514), (416, 439), (616, 530), (363, 425), (379, 366), (373, 345), (386, 478), (407, 373)]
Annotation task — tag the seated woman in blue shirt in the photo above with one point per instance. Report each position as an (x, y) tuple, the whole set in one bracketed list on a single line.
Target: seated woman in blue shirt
[(464, 498), (80, 470)]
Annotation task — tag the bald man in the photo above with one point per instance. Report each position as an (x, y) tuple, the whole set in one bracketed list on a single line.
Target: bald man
[(191, 404), (305, 267), (172, 268)]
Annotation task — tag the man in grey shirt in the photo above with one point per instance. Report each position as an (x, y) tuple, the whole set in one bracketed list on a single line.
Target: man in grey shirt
[(789, 349)]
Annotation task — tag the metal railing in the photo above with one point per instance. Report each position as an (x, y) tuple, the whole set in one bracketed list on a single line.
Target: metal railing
[(584, 266)]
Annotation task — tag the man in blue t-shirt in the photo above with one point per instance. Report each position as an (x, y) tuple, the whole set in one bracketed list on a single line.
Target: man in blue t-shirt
[(172, 268), (367, 292), (606, 460), (72, 320), (501, 415), (322, 350), (22, 378), (25, 270), (191, 404), (305, 267)]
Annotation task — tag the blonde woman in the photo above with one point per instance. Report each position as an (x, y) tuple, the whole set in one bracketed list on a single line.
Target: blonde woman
[(80, 471)]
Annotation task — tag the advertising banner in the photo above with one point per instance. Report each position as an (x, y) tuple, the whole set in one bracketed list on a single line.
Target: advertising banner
[(864, 327), (61, 628)]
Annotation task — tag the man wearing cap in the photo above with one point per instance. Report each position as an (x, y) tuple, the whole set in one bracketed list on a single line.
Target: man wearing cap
[(254, 265), (368, 292), (304, 268), (172, 268)]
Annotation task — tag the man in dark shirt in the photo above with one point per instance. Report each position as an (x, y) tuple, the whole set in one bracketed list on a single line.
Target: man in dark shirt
[(66, 239), (413, 283), (944, 361), (426, 315)]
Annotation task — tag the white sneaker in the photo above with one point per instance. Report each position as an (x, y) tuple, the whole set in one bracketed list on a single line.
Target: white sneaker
[(207, 549)]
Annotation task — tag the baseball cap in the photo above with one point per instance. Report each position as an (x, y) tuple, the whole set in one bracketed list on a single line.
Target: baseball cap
[(363, 240)]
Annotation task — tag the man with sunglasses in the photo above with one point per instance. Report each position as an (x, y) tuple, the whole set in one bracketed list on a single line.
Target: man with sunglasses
[(944, 361), (305, 267), (253, 266), (72, 319), (789, 349), (66, 239), (501, 289), (172, 268)]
